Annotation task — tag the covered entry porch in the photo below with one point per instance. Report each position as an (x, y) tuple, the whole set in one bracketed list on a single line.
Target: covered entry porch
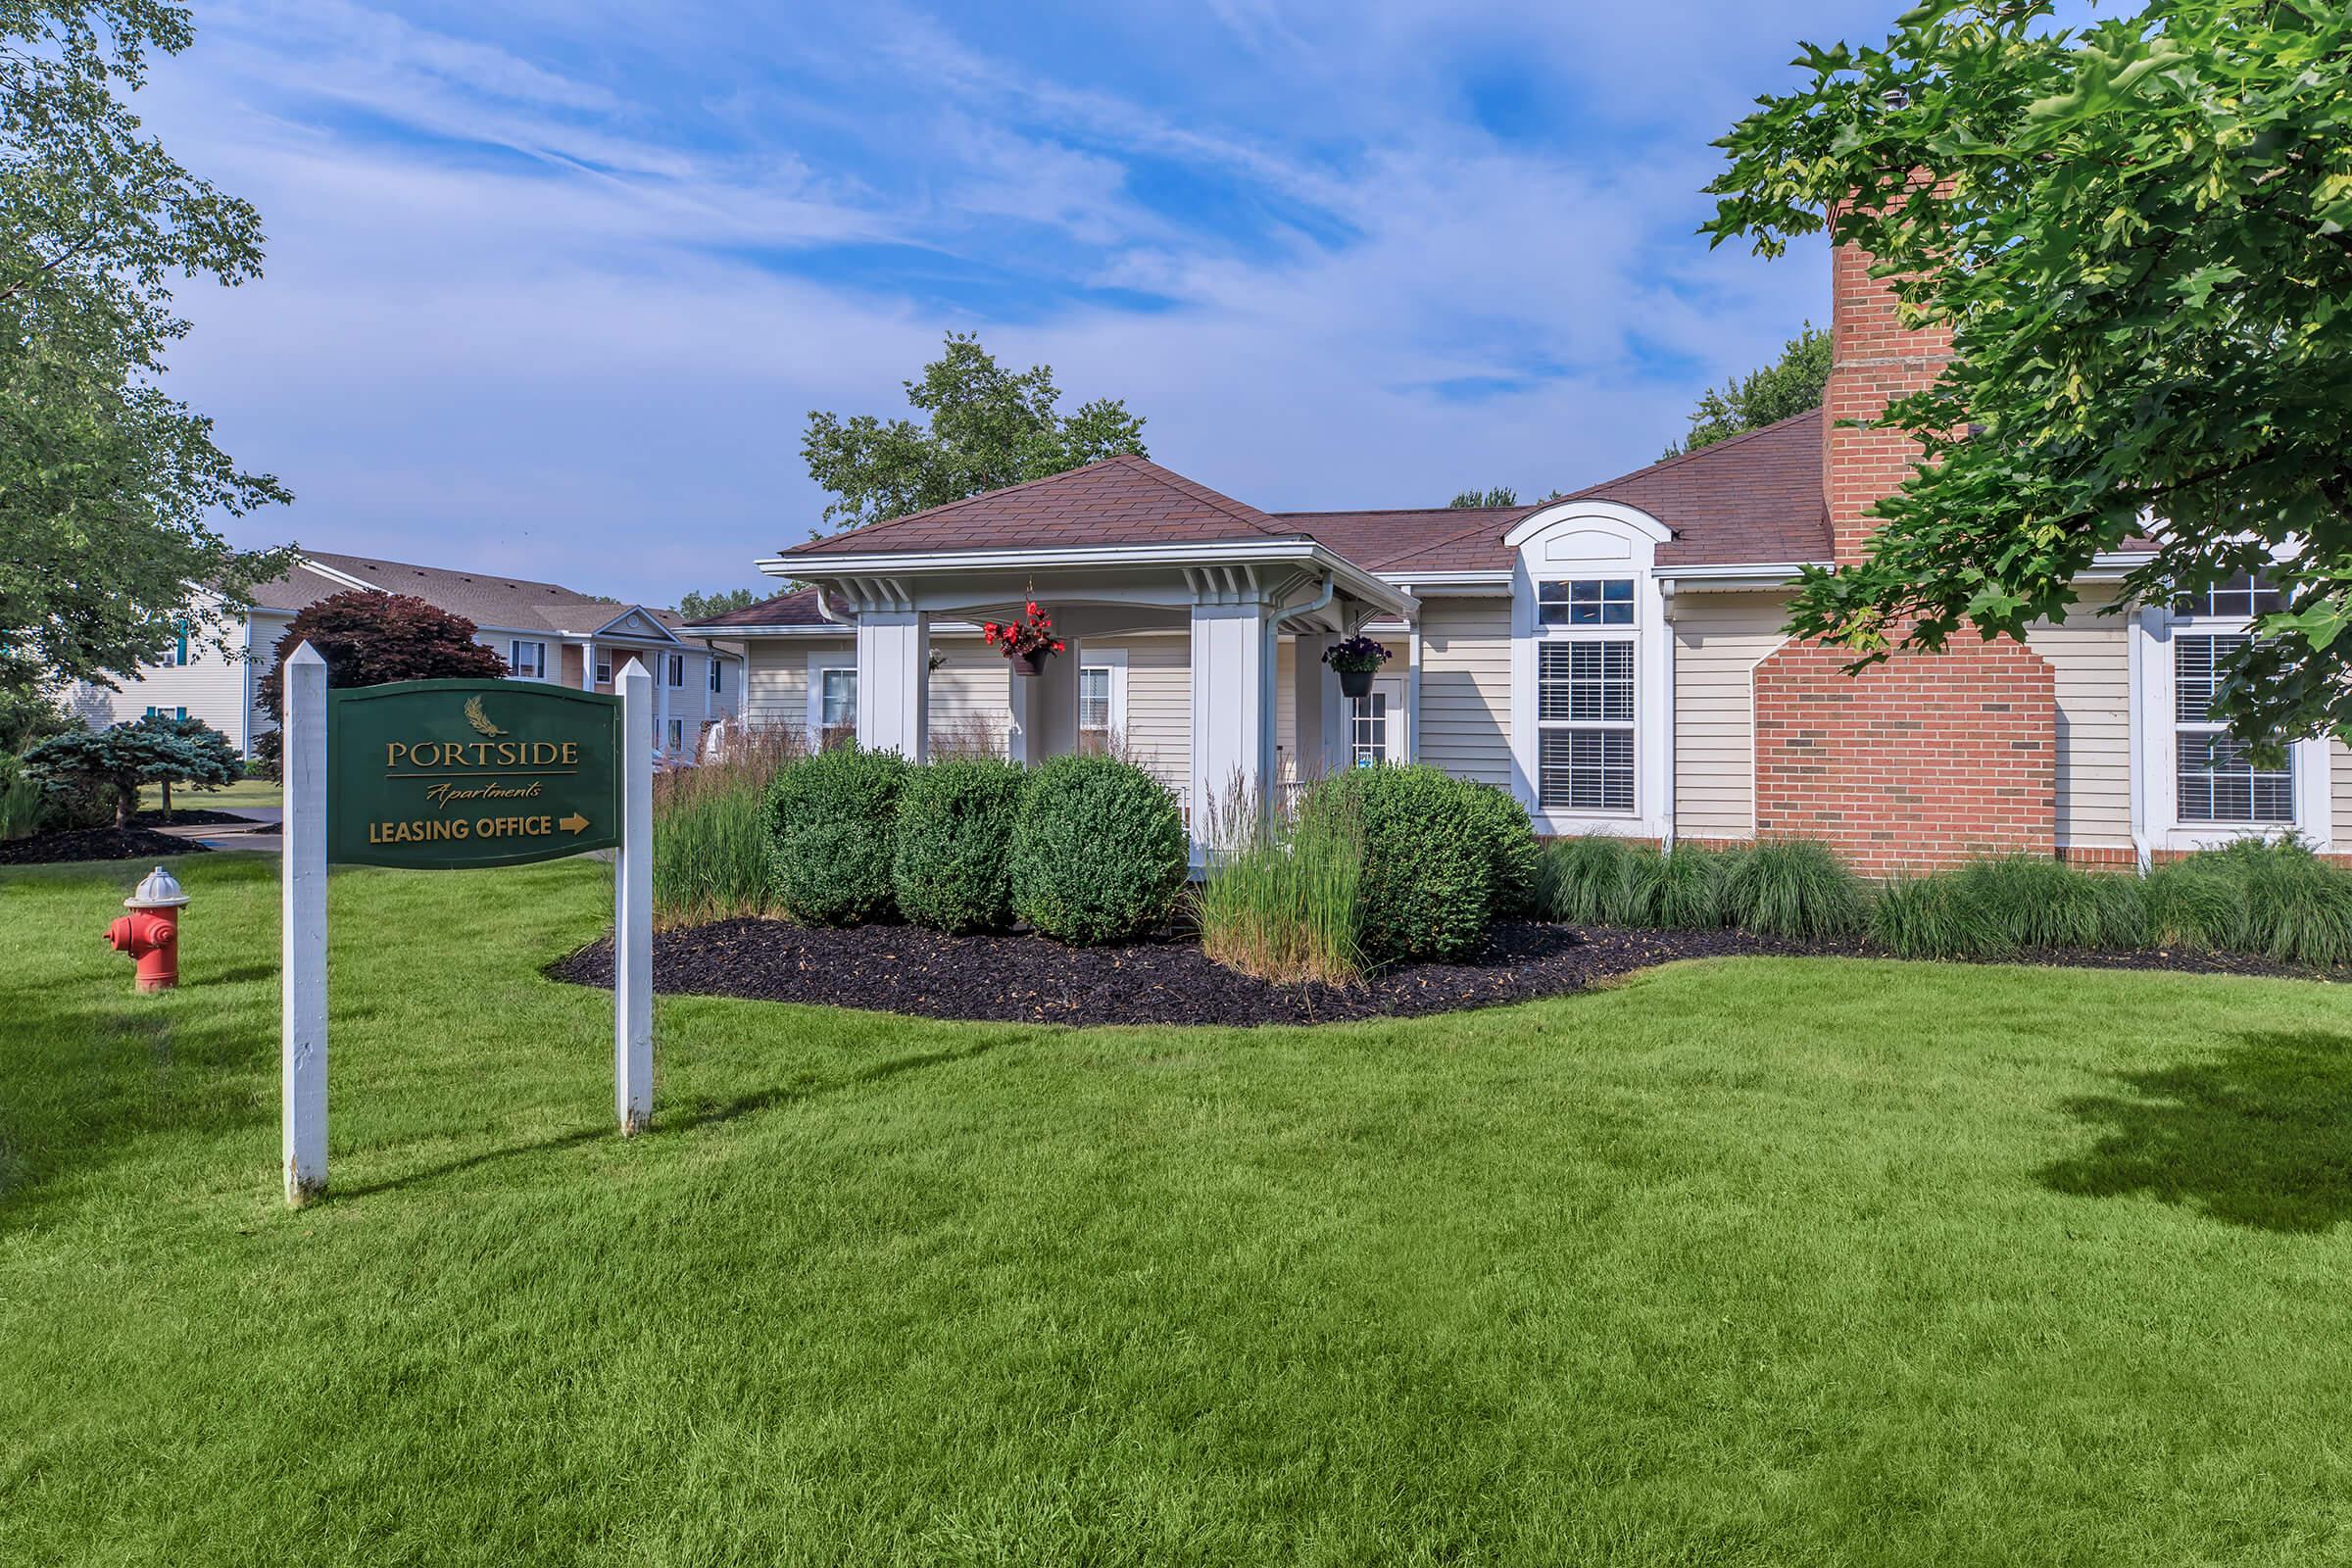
[(1244, 610)]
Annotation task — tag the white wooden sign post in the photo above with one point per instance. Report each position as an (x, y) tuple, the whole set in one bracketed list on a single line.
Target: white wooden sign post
[(544, 774), (633, 907), (302, 893)]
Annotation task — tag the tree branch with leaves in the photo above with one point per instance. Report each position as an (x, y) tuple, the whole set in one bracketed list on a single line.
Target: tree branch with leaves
[(2137, 233)]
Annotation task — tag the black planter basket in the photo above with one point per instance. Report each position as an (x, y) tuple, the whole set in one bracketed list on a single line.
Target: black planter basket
[(1356, 682)]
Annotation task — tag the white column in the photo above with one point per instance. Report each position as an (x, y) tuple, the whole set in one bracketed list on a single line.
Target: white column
[(1233, 713), (302, 917), (633, 907), (894, 682), (588, 666), (1317, 708), (1044, 708)]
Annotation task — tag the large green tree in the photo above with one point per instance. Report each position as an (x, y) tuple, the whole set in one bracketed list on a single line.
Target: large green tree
[(697, 605), (1789, 386), (108, 487), (2140, 236), (988, 427)]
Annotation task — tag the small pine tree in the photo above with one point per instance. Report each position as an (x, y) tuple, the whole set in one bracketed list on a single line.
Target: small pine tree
[(156, 750)]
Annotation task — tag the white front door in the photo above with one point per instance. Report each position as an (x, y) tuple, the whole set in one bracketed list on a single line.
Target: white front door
[(1376, 725)]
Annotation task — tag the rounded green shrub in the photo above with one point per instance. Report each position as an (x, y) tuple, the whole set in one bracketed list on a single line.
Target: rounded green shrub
[(1792, 888), (1099, 851), (950, 868), (1510, 840), (1426, 888), (832, 829)]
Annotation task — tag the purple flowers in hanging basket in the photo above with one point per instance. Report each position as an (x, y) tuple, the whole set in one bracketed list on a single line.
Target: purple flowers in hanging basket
[(1356, 654)]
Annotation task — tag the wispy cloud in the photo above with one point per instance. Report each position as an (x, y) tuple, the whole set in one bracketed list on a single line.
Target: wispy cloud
[(554, 287)]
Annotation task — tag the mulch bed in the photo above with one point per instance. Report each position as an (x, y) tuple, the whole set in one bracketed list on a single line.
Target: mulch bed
[(1024, 978), (94, 844)]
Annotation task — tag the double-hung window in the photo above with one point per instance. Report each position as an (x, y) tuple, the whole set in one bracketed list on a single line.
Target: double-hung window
[(2215, 778), (677, 669), (527, 658), (1585, 697), (1093, 708), (604, 667), (717, 683), (837, 711)]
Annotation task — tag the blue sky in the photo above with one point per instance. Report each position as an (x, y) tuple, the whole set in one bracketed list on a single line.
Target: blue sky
[(553, 284)]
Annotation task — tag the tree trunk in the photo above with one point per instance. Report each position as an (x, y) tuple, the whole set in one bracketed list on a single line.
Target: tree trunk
[(126, 795), (167, 800)]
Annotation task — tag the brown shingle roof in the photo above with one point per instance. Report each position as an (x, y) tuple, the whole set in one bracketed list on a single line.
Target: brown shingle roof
[(795, 609), (1119, 501), (486, 598), (1374, 539), (1753, 499)]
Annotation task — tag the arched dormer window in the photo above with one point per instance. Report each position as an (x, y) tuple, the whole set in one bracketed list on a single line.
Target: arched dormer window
[(1591, 675)]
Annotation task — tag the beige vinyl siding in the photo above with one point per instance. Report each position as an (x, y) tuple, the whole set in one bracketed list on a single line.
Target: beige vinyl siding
[(1465, 713), (1160, 704), (2090, 657), (2339, 769), (775, 686), (210, 686), (1719, 639), (971, 702)]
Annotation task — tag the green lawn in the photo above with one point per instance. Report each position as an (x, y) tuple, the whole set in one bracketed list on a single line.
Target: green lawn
[(244, 792), (1739, 1263)]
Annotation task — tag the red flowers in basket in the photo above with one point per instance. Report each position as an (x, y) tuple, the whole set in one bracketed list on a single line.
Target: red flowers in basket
[(1031, 637)]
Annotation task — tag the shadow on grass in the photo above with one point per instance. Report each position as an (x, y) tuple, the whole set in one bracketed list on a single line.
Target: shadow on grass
[(2261, 1136), (678, 1120)]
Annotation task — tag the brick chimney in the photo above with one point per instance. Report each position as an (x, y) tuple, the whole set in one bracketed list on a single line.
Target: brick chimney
[(1927, 758), (1874, 359)]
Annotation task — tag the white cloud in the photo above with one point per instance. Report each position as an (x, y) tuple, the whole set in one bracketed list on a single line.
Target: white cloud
[(528, 310)]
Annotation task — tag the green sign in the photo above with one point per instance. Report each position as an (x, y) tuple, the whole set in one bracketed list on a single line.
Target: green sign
[(444, 774)]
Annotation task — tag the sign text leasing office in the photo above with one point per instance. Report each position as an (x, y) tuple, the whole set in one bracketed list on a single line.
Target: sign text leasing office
[(445, 774)]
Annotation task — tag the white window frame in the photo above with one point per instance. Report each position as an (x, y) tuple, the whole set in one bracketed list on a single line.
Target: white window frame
[(677, 671), (602, 669), (1581, 540), (2159, 825), (712, 676), (845, 661), (1113, 659), (514, 648), (677, 736)]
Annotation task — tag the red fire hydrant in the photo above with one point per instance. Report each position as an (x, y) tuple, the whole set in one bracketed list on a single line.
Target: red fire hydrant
[(150, 933)]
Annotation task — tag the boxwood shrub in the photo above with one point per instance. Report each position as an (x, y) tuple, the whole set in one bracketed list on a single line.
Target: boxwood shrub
[(1099, 850), (1427, 886), (832, 829), (954, 843), (1512, 857)]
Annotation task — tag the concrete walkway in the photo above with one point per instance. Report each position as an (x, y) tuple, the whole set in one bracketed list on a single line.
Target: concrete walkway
[(263, 837)]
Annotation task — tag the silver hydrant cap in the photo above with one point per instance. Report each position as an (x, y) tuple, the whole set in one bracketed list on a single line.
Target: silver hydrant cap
[(160, 891)]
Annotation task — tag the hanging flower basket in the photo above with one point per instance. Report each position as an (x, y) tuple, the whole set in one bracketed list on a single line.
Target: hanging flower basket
[(1026, 643), (1357, 660)]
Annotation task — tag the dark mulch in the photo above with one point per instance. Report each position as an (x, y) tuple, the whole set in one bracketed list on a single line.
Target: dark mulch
[(191, 816), (94, 844), (1026, 978)]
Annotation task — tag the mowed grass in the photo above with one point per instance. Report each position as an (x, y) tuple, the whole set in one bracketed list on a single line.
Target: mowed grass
[(1739, 1263), (228, 797)]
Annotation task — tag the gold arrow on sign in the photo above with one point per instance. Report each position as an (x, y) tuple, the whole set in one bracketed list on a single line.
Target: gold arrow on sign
[(574, 823)]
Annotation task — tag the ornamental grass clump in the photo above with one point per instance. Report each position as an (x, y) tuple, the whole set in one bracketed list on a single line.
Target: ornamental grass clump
[(1936, 916), (1099, 851), (833, 830), (1424, 890), (951, 864), (1793, 888), (711, 855), (1679, 888), (1280, 901), (2032, 900), (1586, 881), (2293, 907), (2192, 906)]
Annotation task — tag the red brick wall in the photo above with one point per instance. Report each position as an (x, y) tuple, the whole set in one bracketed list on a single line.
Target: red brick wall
[(1917, 763), (1927, 758)]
